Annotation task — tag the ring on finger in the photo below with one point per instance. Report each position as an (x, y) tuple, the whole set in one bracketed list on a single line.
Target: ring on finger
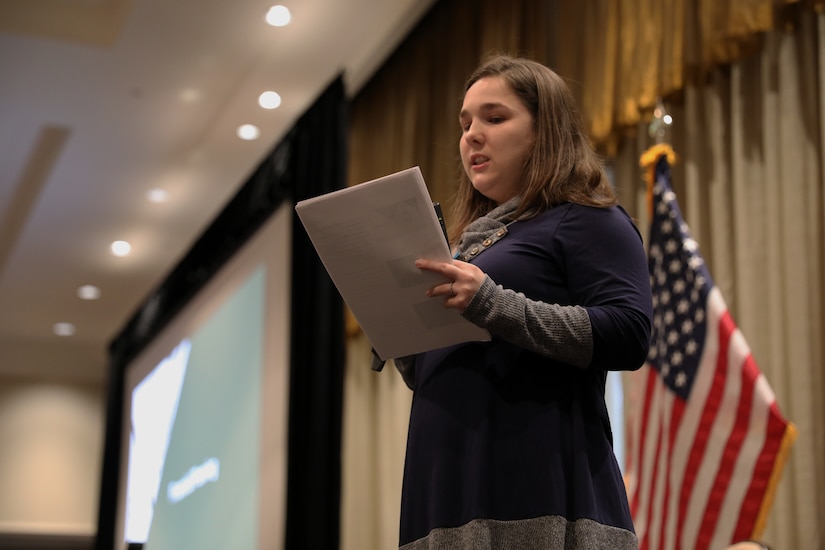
[(452, 292)]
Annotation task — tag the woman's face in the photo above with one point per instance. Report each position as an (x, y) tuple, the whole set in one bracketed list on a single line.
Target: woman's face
[(497, 134)]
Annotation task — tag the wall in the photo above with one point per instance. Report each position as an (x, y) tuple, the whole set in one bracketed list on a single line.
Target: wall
[(51, 437)]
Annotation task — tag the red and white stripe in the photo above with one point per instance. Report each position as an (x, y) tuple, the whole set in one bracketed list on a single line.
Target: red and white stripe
[(698, 470)]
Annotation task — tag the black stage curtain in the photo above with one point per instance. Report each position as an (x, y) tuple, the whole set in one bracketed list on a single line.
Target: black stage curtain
[(317, 352), (309, 161)]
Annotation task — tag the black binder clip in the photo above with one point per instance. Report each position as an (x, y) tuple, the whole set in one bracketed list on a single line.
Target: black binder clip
[(377, 362)]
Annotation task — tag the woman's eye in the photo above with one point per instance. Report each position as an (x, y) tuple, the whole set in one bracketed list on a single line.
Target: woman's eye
[(496, 119)]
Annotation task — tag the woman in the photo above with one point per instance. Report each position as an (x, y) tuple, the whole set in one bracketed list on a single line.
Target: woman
[(509, 442)]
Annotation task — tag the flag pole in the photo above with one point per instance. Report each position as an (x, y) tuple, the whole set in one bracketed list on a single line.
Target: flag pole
[(788, 440), (657, 129)]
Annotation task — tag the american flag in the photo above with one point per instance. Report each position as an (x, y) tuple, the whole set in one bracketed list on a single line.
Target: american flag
[(706, 440)]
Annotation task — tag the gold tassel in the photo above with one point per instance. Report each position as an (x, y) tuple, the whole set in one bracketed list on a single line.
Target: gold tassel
[(648, 162)]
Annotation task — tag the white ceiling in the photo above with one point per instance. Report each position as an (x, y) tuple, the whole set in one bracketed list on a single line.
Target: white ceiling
[(103, 100)]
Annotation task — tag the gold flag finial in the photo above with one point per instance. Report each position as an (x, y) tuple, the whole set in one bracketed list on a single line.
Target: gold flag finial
[(648, 162)]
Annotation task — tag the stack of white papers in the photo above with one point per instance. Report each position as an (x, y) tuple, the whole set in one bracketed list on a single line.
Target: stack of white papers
[(368, 238)]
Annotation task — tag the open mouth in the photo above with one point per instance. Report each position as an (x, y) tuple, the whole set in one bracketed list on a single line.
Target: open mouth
[(478, 160)]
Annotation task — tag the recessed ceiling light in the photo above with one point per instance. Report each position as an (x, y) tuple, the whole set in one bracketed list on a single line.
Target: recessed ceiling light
[(189, 95), (63, 329), (248, 132), (278, 16), (88, 292), (157, 195), (269, 100), (121, 248)]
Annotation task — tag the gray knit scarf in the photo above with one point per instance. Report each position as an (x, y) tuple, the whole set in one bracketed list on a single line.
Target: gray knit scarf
[(487, 229)]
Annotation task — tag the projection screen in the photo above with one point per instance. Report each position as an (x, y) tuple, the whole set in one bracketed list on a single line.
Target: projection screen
[(204, 447)]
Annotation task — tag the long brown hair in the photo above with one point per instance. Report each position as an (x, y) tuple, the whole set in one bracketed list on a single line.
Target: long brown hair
[(562, 165)]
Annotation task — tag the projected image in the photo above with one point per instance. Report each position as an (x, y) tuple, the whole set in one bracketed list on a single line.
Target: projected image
[(154, 404), (194, 448)]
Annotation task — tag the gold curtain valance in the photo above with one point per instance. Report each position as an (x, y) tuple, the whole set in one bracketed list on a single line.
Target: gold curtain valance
[(633, 51)]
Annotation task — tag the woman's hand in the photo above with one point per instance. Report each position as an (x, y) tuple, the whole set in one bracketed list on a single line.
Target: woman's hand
[(464, 280)]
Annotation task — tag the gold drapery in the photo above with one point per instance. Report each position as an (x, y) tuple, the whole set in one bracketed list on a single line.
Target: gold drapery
[(619, 56)]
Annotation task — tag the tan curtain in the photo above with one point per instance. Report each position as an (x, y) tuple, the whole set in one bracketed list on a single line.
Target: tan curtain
[(750, 183), (620, 55)]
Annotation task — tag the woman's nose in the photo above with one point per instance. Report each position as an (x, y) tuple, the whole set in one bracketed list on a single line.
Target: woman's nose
[(473, 133)]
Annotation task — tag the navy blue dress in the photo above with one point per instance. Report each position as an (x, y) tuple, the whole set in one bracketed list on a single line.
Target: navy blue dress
[(510, 448)]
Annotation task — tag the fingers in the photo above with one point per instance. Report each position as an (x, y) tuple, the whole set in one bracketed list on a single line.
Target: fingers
[(450, 292), (445, 289), (457, 289), (456, 296), (443, 268)]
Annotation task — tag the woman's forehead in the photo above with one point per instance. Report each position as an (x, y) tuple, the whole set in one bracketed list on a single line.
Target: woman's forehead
[(488, 93)]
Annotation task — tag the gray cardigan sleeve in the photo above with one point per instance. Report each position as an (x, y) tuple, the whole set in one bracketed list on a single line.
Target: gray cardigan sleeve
[(559, 332)]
